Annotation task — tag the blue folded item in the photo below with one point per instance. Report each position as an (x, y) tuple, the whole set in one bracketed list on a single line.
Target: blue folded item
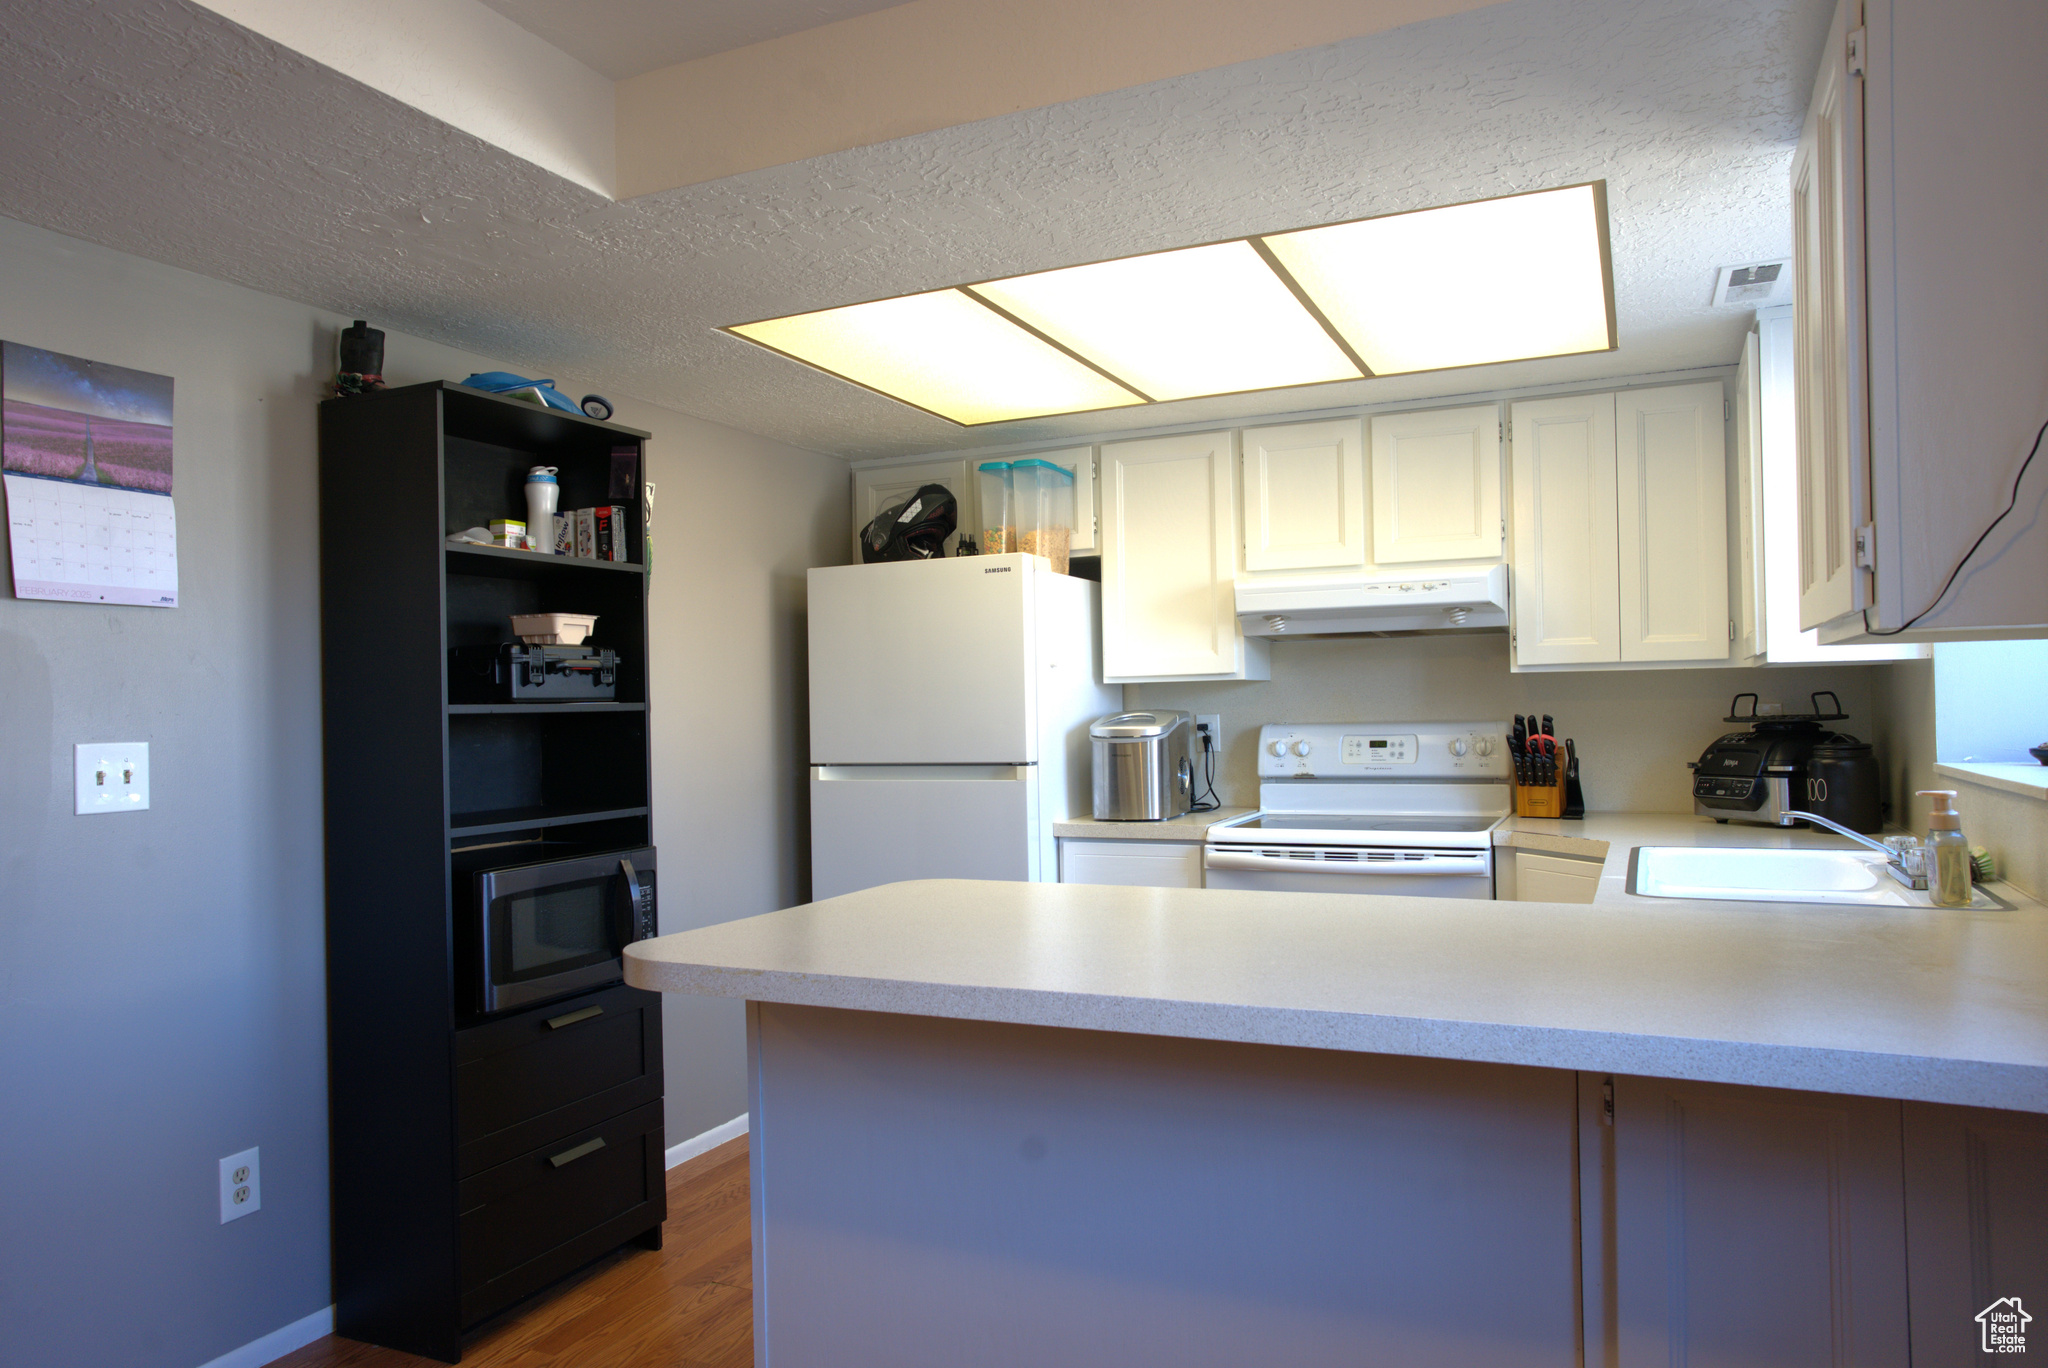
[(504, 382)]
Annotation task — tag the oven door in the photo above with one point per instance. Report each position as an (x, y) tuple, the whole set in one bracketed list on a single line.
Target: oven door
[(1410, 873), (560, 927)]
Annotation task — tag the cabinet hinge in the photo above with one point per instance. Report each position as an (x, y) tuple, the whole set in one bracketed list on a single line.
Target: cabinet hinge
[(1855, 53), (1727, 410), (1731, 629), (1866, 548), (1607, 1102)]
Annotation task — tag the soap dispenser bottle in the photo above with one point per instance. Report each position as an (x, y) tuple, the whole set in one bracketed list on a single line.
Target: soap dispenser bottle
[(1948, 854)]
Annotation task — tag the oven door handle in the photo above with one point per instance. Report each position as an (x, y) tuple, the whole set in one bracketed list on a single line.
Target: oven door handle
[(629, 911), (1434, 862)]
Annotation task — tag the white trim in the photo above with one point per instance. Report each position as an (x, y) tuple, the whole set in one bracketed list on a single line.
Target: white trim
[(699, 1144), (278, 1343), (2029, 781)]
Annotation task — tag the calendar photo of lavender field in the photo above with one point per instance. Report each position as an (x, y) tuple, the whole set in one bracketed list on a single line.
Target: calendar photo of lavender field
[(66, 418)]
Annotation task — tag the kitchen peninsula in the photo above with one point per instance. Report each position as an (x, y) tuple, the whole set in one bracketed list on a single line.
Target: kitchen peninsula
[(1030, 1123)]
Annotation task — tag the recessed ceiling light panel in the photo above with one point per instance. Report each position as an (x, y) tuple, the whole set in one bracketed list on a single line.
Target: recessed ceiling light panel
[(1174, 325), (945, 353), (1498, 280)]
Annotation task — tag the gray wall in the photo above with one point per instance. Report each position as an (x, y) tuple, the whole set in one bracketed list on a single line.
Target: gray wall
[(1635, 729), (161, 973)]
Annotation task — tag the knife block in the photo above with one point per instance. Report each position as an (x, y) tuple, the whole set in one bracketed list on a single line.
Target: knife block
[(1541, 800)]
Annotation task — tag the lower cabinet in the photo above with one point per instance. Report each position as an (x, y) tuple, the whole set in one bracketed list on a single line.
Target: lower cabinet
[(1146, 864), (1530, 876), (1765, 1227), (1977, 1232), (1750, 1226)]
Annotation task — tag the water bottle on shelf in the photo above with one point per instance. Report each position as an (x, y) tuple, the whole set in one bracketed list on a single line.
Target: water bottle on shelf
[(542, 494)]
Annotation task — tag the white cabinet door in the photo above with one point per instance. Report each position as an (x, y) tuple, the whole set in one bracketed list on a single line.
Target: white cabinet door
[(1831, 331), (1526, 876), (1671, 484), (1169, 559), (1566, 592), (1142, 864), (1436, 485), (875, 488), (1751, 1226), (1304, 497)]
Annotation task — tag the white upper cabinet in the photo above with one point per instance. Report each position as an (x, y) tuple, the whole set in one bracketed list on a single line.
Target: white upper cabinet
[(875, 488), (1304, 497), (1566, 590), (1169, 560), (1671, 484), (1436, 485), (1832, 334), (1621, 528)]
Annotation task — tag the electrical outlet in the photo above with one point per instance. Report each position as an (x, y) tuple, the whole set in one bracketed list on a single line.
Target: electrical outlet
[(241, 1184), (1214, 722), (112, 776)]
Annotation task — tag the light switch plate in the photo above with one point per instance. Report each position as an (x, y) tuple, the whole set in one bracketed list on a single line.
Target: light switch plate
[(113, 776)]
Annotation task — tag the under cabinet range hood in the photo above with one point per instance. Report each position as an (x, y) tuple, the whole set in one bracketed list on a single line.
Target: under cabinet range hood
[(1414, 600)]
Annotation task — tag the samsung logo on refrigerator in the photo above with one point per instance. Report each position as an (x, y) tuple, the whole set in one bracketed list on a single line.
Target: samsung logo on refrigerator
[(997, 569)]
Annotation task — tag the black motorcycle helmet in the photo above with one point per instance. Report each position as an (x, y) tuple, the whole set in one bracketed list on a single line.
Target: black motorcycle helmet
[(915, 529)]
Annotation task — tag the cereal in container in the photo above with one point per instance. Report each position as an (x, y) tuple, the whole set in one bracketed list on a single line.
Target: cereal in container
[(998, 509), (1043, 497)]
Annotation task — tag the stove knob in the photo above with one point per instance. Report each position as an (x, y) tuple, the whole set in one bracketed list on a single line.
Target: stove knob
[(1302, 748), (1458, 746), (1484, 745)]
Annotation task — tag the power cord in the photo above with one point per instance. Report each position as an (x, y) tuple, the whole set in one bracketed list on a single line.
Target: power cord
[(1208, 773), (1949, 583)]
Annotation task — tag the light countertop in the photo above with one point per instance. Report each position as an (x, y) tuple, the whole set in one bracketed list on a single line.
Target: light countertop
[(1933, 1005), (1189, 826)]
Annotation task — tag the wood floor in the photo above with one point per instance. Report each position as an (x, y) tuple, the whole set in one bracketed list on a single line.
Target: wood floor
[(688, 1305)]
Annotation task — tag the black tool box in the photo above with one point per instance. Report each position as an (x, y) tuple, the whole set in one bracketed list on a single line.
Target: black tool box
[(511, 672)]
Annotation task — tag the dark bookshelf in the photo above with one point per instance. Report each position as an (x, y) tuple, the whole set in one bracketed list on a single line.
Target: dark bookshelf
[(444, 1208)]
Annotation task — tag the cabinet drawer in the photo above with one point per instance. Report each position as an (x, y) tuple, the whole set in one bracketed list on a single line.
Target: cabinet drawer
[(529, 1079), (530, 1220)]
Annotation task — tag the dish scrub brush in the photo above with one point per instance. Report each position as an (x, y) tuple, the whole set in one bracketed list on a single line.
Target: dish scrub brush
[(1982, 868)]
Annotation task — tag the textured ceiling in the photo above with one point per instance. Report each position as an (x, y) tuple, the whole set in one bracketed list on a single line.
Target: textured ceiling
[(621, 38), (157, 128)]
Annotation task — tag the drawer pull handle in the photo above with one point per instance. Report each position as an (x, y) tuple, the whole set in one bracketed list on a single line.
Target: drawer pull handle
[(570, 1156), (571, 1018)]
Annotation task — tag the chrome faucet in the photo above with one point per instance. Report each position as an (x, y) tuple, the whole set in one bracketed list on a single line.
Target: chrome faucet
[(1891, 857)]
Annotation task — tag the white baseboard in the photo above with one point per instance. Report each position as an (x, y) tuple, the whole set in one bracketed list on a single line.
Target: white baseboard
[(699, 1144), (275, 1345)]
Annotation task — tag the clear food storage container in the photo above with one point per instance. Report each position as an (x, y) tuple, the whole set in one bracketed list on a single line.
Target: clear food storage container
[(1044, 500), (998, 509)]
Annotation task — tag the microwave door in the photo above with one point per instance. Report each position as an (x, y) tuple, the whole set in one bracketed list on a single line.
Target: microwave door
[(548, 931)]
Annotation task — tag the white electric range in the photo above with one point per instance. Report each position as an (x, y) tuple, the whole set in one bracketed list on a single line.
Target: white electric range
[(1370, 807)]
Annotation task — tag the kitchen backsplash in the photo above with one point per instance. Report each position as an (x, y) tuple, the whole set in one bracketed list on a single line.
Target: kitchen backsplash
[(1635, 729)]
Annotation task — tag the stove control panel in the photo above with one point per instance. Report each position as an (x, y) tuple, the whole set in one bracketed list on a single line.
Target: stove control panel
[(1364, 750)]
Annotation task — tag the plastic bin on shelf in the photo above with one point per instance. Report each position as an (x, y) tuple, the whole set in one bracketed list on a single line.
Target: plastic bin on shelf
[(1043, 497), (998, 509)]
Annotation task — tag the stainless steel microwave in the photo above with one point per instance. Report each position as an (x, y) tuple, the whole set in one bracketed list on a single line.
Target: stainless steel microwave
[(545, 930)]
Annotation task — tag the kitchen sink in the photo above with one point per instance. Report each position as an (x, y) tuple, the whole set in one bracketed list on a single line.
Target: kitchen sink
[(1772, 874)]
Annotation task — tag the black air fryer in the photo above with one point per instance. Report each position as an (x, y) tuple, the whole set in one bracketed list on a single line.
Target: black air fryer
[(1788, 762)]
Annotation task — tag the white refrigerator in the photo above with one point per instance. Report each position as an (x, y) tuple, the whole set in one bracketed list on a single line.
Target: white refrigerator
[(950, 703)]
